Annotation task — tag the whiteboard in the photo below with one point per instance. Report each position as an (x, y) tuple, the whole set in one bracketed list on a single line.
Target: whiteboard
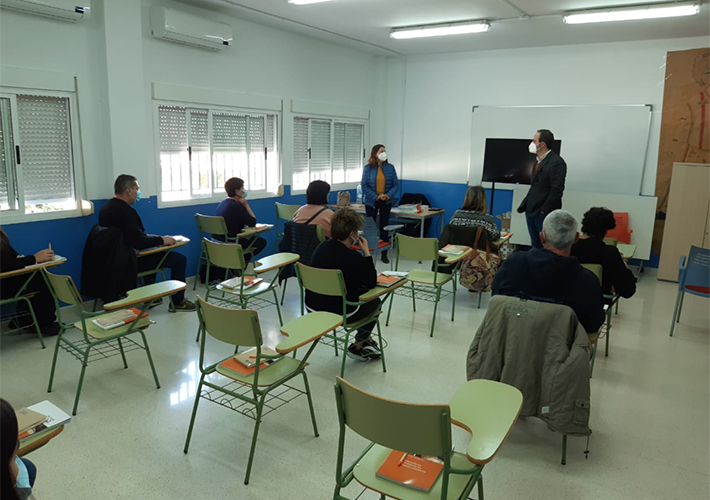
[(641, 210), (604, 146)]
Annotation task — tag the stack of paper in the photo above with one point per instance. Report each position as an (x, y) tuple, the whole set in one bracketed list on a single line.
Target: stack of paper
[(53, 418)]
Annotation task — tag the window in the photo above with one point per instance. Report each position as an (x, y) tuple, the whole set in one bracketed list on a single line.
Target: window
[(201, 148), (36, 157), (329, 150)]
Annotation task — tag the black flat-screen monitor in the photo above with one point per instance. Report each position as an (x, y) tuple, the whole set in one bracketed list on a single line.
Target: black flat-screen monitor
[(509, 161)]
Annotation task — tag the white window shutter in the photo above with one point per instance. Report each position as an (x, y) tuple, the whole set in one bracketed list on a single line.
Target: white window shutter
[(45, 147), (257, 143), (6, 152), (339, 153), (300, 153), (320, 151), (229, 147), (174, 161), (199, 143), (354, 134)]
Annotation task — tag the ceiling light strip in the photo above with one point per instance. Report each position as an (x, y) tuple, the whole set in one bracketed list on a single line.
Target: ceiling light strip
[(657, 11), (428, 30)]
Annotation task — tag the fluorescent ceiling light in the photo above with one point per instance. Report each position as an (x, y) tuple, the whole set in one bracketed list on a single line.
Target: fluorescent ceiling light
[(306, 2), (633, 13), (440, 29)]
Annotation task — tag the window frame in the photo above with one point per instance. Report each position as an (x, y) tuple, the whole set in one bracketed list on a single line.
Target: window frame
[(210, 108), (77, 160), (333, 120)]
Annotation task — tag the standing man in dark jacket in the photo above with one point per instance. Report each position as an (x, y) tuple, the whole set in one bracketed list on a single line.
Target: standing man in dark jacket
[(549, 274), (117, 212), (546, 187)]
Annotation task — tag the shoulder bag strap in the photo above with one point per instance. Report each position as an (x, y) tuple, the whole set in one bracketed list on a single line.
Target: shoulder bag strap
[(315, 215)]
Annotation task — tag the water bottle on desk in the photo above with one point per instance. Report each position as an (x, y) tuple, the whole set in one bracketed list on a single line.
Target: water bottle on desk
[(359, 193)]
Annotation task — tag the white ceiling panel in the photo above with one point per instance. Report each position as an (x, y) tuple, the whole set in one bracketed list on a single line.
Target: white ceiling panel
[(365, 24)]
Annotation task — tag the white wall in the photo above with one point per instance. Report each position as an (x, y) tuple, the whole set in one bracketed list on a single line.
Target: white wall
[(441, 90), (115, 77)]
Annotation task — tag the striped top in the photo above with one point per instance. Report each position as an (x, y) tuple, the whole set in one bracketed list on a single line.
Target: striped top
[(469, 218)]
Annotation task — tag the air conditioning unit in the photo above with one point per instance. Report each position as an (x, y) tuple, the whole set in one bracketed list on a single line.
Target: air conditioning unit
[(181, 27), (66, 10)]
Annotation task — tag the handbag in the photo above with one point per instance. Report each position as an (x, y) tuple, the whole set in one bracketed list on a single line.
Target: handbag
[(479, 269), (343, 198)]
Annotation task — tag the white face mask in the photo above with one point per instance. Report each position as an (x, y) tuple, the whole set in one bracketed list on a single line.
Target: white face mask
[(532, 148), (382, 157)]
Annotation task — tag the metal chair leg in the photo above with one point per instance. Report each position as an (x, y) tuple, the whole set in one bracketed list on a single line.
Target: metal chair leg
[(436, 306), (194, 413), (564, 449), (150, 360), (675, 311), (257, 423), (123, 354), (84, 364), (382, 347), (480, 487), (283, 292), (310, 403), (54, 360)]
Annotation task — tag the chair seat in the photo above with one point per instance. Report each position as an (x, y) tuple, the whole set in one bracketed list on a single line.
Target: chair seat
[(427, 277), (366, 474), (262, 287), (268, 376), (362, 321), (99, 333), (698, 289), (593, 337)]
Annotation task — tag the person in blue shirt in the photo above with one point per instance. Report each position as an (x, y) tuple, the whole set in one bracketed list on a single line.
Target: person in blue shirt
[(379, 187)]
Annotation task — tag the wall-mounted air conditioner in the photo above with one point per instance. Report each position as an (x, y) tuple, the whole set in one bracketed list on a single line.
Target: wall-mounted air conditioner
[(181, 27), (67, 10)]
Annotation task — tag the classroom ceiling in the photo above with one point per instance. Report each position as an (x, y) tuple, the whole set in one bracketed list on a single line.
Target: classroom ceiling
[(365, 24)]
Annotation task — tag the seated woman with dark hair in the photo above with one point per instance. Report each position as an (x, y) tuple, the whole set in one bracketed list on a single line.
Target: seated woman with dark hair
[(591, 249), (315, 211), (237, 215), (17, 474), (473, 213)]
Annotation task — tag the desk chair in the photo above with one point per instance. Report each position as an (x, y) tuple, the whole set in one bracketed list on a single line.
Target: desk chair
[(231, 256), (487, 410), (97, 343), (250, 395), (301, 239), (426, 285), (9, 312), (330, 282), (613, 300), (693, 278), (285, 213), (207, 226), (371, 232)]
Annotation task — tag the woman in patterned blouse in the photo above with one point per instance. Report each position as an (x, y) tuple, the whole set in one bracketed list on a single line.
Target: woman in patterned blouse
[(473, 213)]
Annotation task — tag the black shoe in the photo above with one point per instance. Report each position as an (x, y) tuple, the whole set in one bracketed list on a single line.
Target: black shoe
[(371, 350), (357, 353), (156, 303), (51, 330), (385, 259)]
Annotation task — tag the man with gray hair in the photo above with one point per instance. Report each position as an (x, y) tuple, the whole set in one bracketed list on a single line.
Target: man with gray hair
[(550, 274)]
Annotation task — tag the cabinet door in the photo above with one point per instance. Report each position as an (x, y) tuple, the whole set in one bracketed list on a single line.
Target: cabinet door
[(686, 217)]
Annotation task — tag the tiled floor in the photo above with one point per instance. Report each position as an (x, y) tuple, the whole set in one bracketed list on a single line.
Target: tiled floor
[(650, 412)]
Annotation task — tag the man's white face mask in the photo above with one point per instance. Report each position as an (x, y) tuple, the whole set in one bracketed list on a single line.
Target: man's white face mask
[(532, 148)]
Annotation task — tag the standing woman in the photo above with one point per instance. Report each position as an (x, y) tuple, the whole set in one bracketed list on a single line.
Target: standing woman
[(379, 188)]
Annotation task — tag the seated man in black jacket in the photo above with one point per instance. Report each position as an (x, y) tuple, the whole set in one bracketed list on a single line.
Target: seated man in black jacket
[(359, 274), (549, 274), (117, 212), (591, 249)]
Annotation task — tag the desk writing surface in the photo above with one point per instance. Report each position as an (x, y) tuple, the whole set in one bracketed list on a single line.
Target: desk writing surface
[(251, 231), (146, 293), (626, 251), (453, 259), (306, 329), (38, 440), (378, 291), (503, 238), (163, 248), (58, 259)]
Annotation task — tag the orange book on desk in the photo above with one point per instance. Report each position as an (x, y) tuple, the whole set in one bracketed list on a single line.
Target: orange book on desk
[(410, 470), (386, 281)]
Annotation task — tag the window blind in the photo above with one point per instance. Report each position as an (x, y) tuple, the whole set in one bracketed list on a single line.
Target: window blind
[(44, 135), (229, 147), (300, 153), (174, 162), (320, 151), (354, 137), (199, 143), (5, 153), (257, 143)]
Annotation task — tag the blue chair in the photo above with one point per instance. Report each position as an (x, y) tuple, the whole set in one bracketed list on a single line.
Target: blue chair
[(371, 232), (693, 278)]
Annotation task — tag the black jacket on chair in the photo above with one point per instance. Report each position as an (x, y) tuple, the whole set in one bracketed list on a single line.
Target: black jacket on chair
[(548, 183), (109, 267), (301, 239)]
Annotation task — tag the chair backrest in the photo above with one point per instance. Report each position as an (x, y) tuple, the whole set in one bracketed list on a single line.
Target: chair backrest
[(64, 289), (285, 212), (226, 255), (697, 273), (239, 327), (208, 224), (406, 427), (596, 269), (371, 232), (417, 248), (324, 281)]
